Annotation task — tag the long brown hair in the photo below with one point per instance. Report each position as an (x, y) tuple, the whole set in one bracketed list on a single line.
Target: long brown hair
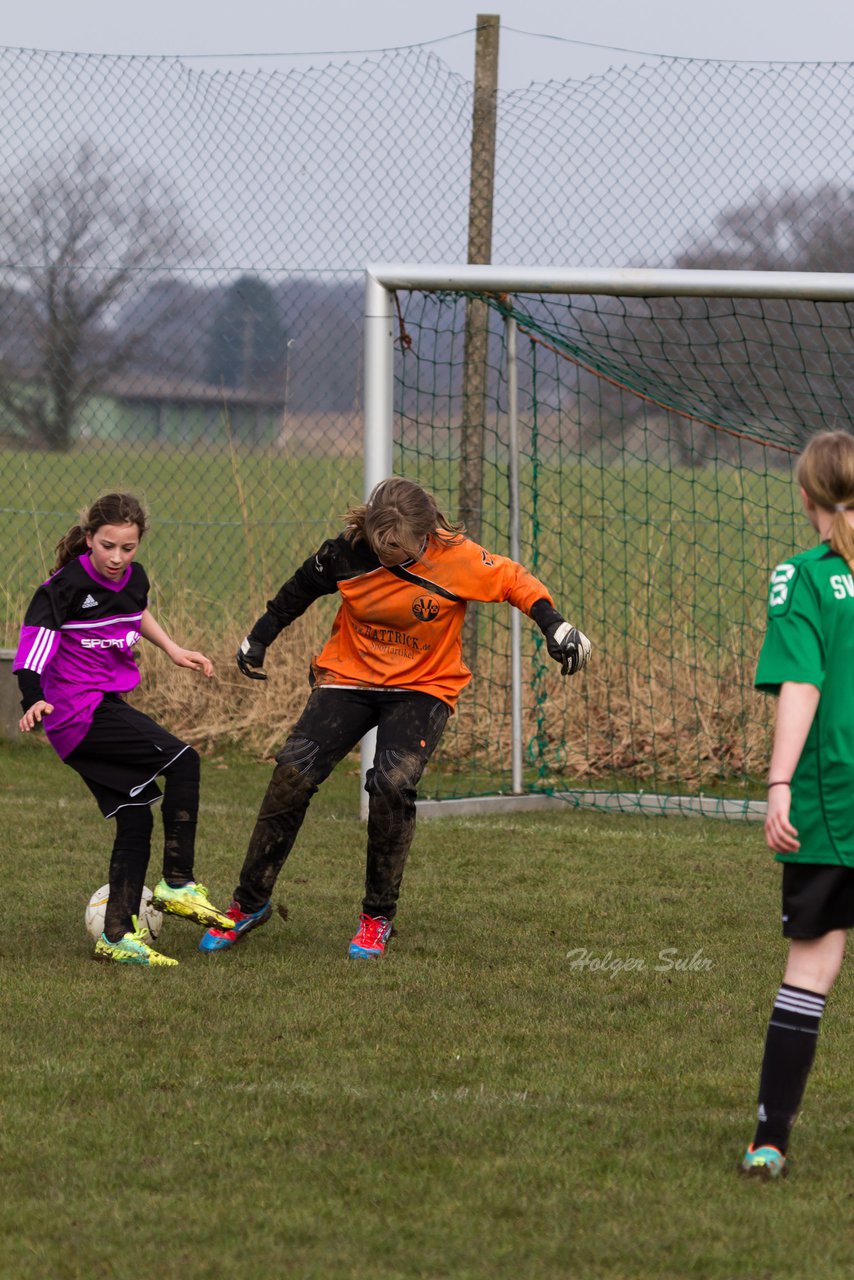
[(826, 475), (399, 516), (110, 508)]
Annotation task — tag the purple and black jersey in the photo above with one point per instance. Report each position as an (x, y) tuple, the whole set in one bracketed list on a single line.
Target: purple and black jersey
[(78, 637)]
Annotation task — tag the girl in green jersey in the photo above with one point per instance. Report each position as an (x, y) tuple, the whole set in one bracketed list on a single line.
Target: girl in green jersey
[(807, 660)]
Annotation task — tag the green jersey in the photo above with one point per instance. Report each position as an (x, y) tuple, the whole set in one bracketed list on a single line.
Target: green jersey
[(810, 640)]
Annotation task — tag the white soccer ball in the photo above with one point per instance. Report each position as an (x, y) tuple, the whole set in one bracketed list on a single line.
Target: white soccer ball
[(148, 916)]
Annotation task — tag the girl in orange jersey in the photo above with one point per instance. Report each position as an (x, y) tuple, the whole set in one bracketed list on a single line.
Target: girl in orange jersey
[(394, 663)]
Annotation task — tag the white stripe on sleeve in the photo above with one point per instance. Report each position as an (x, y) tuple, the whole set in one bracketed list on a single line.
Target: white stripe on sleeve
[(41, 647)]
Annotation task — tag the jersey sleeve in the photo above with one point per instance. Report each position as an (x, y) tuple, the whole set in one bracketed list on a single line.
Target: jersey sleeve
[(39, 638), (492, 578), (793, 648), (316, 577)]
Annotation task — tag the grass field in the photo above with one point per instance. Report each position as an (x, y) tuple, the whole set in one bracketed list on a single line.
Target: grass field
[(485, 1102), (663, 567)]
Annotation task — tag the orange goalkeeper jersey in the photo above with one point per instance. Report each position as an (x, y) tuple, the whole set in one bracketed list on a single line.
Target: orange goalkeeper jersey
[(399, 628)]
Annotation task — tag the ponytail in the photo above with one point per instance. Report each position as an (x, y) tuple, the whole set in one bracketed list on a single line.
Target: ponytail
[(71, 545), (842, 538)]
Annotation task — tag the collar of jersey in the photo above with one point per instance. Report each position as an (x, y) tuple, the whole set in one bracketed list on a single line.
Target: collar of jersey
[(88, 567)]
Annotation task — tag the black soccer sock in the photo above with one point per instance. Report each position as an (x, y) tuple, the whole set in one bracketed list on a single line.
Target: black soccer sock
[(180, 813), (789, 1052), (128, 864)]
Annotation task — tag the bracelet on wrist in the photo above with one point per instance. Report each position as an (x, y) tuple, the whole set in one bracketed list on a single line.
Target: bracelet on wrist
[(781, 782)]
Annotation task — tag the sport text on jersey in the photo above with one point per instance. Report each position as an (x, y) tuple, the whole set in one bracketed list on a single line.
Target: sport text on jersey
[(110, 642)]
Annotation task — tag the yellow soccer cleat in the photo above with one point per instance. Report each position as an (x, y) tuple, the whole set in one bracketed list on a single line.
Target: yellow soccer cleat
[(190, 901)]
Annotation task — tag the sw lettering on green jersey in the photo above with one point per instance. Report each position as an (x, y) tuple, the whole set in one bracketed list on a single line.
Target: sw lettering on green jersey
[(842, 584)]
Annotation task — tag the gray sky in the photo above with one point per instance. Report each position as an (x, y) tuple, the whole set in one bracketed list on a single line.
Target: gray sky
[(786, 30)]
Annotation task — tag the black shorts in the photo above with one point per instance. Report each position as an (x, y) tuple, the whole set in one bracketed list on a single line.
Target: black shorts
[(816, 899), (122, 754)]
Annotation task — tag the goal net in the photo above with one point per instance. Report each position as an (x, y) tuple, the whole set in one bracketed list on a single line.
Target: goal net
[(628, 436)]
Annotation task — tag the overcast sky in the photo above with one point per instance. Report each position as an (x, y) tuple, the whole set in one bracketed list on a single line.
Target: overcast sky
[(787, 30)]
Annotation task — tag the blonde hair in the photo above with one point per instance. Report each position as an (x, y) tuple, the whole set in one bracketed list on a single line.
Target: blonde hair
[(399, 516), (826, 474), (110, 508)]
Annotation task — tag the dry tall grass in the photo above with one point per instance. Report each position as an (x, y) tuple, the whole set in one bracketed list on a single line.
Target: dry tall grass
[(686, 715), (229, 707)]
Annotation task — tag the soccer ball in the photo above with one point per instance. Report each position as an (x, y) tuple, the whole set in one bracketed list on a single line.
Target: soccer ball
[(147, 915)]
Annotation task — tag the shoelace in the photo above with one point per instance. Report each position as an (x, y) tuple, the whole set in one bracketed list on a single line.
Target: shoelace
[(371, 930), (139, 934)]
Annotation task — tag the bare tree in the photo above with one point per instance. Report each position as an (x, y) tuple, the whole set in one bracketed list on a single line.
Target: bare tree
[(789, 231), (74, 234), (798, 354)]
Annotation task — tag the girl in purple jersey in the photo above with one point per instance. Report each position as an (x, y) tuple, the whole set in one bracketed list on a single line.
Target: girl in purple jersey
[(74, 663)]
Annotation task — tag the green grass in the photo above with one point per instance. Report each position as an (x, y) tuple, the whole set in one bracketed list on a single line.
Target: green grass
[(475, 1105)]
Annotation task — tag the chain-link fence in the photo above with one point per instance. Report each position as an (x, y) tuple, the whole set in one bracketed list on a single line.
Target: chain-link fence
[(181, 257)]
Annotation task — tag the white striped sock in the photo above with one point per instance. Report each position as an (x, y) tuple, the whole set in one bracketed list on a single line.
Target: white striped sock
[(807, 1003)]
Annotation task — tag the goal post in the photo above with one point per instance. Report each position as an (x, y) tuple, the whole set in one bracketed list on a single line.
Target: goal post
[(698, 391)]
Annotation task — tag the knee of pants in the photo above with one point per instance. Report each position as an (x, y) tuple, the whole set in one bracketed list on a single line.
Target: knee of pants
[(395, 775), (296, 774), (288, 787), (185, 766), (134, 824)]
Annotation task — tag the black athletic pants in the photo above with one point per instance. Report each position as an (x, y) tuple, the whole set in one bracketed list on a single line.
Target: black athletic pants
[(132, 843), (409, 726)]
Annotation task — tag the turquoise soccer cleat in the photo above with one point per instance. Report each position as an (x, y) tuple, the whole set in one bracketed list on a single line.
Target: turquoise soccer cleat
[(131, 949), (767, 1163), (239, 923)]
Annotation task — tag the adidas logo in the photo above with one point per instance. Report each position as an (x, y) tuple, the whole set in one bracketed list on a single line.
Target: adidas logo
[(89, 603)]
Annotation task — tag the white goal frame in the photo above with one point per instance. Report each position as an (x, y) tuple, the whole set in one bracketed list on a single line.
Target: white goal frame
[(381, 282)]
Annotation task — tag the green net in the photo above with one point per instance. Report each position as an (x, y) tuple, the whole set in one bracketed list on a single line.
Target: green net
[(656, 438)]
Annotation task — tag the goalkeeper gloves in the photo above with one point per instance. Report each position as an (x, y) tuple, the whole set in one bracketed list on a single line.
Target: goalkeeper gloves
[(568, 646), (250, 655)]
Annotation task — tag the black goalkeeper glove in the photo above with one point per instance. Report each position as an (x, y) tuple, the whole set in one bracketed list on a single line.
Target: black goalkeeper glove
[(568, 646), (250, 655)]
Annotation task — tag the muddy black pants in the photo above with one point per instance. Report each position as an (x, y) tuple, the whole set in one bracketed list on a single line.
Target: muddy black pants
[(409, 726)]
